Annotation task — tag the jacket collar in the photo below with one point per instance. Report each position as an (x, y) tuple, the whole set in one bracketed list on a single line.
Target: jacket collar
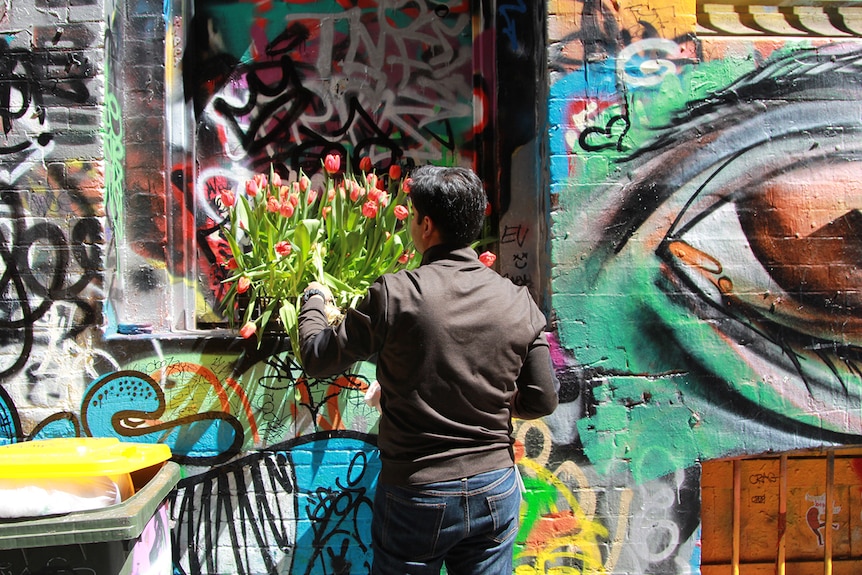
[(449, 252)]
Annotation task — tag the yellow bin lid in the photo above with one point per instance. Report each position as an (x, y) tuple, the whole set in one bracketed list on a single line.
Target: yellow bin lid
[(78, 457)]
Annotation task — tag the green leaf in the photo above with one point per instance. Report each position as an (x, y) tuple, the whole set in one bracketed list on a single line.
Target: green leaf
[(305, 234), (289, 318), (244, 221)]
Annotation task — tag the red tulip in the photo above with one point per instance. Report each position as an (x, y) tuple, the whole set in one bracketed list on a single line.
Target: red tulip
[(272, 204), (227, 198), (248, 330), (286, 209), (369, 209), (356, 192), (394, 172), (488, 258), (401, 212), (283, 248), (243, 284), (365, 164)]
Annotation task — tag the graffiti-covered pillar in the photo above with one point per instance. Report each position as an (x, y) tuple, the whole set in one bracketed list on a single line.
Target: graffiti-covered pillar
[(145, 224)]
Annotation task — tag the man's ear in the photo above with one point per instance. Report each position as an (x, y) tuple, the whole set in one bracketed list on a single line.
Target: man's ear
[(430, 233), (427, 226)]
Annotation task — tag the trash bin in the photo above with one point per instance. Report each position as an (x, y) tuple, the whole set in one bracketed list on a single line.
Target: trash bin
[(132, 536)]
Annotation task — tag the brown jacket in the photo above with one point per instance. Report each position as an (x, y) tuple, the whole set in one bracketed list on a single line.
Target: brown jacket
[(459, 351)]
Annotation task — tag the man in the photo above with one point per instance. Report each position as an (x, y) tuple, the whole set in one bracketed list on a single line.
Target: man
[(459, 351)]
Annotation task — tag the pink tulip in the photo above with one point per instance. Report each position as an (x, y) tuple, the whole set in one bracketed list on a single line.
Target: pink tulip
[(332, 163), (401, 213), (304, 183)]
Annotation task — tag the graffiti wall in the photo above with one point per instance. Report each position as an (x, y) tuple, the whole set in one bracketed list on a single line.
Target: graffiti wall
[(705, 266), (683, 202)]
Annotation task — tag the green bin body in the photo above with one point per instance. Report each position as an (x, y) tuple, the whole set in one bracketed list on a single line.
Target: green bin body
[(132, 537)]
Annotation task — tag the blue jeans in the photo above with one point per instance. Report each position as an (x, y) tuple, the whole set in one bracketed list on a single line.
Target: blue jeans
[(468, 524)]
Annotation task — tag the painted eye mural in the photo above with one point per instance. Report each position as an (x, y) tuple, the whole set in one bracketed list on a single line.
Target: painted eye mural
[(730, 254)]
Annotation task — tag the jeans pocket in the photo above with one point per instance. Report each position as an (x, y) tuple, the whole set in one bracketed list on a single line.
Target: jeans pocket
[(412, 528), (504, 508)]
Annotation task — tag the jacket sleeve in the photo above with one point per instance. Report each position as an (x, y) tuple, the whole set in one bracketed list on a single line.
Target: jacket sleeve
[(327, 350), (537, 387)]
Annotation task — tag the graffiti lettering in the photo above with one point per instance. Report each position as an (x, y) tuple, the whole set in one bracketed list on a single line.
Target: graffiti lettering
[(517, 234), (758, 478)]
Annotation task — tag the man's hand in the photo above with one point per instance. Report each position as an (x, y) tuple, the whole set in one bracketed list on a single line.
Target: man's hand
[(372, 395), (319, 286)]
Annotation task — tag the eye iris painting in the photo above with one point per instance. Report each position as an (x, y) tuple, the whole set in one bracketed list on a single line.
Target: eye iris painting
[(723, 268)]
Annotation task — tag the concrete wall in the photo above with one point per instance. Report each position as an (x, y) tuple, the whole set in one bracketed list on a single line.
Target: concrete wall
[(688, 217)]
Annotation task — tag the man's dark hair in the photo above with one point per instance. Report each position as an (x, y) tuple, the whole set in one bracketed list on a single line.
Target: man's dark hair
[(453, 198)]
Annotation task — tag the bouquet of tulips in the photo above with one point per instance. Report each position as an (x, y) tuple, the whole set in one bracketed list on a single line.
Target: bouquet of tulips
[(283, 235)]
